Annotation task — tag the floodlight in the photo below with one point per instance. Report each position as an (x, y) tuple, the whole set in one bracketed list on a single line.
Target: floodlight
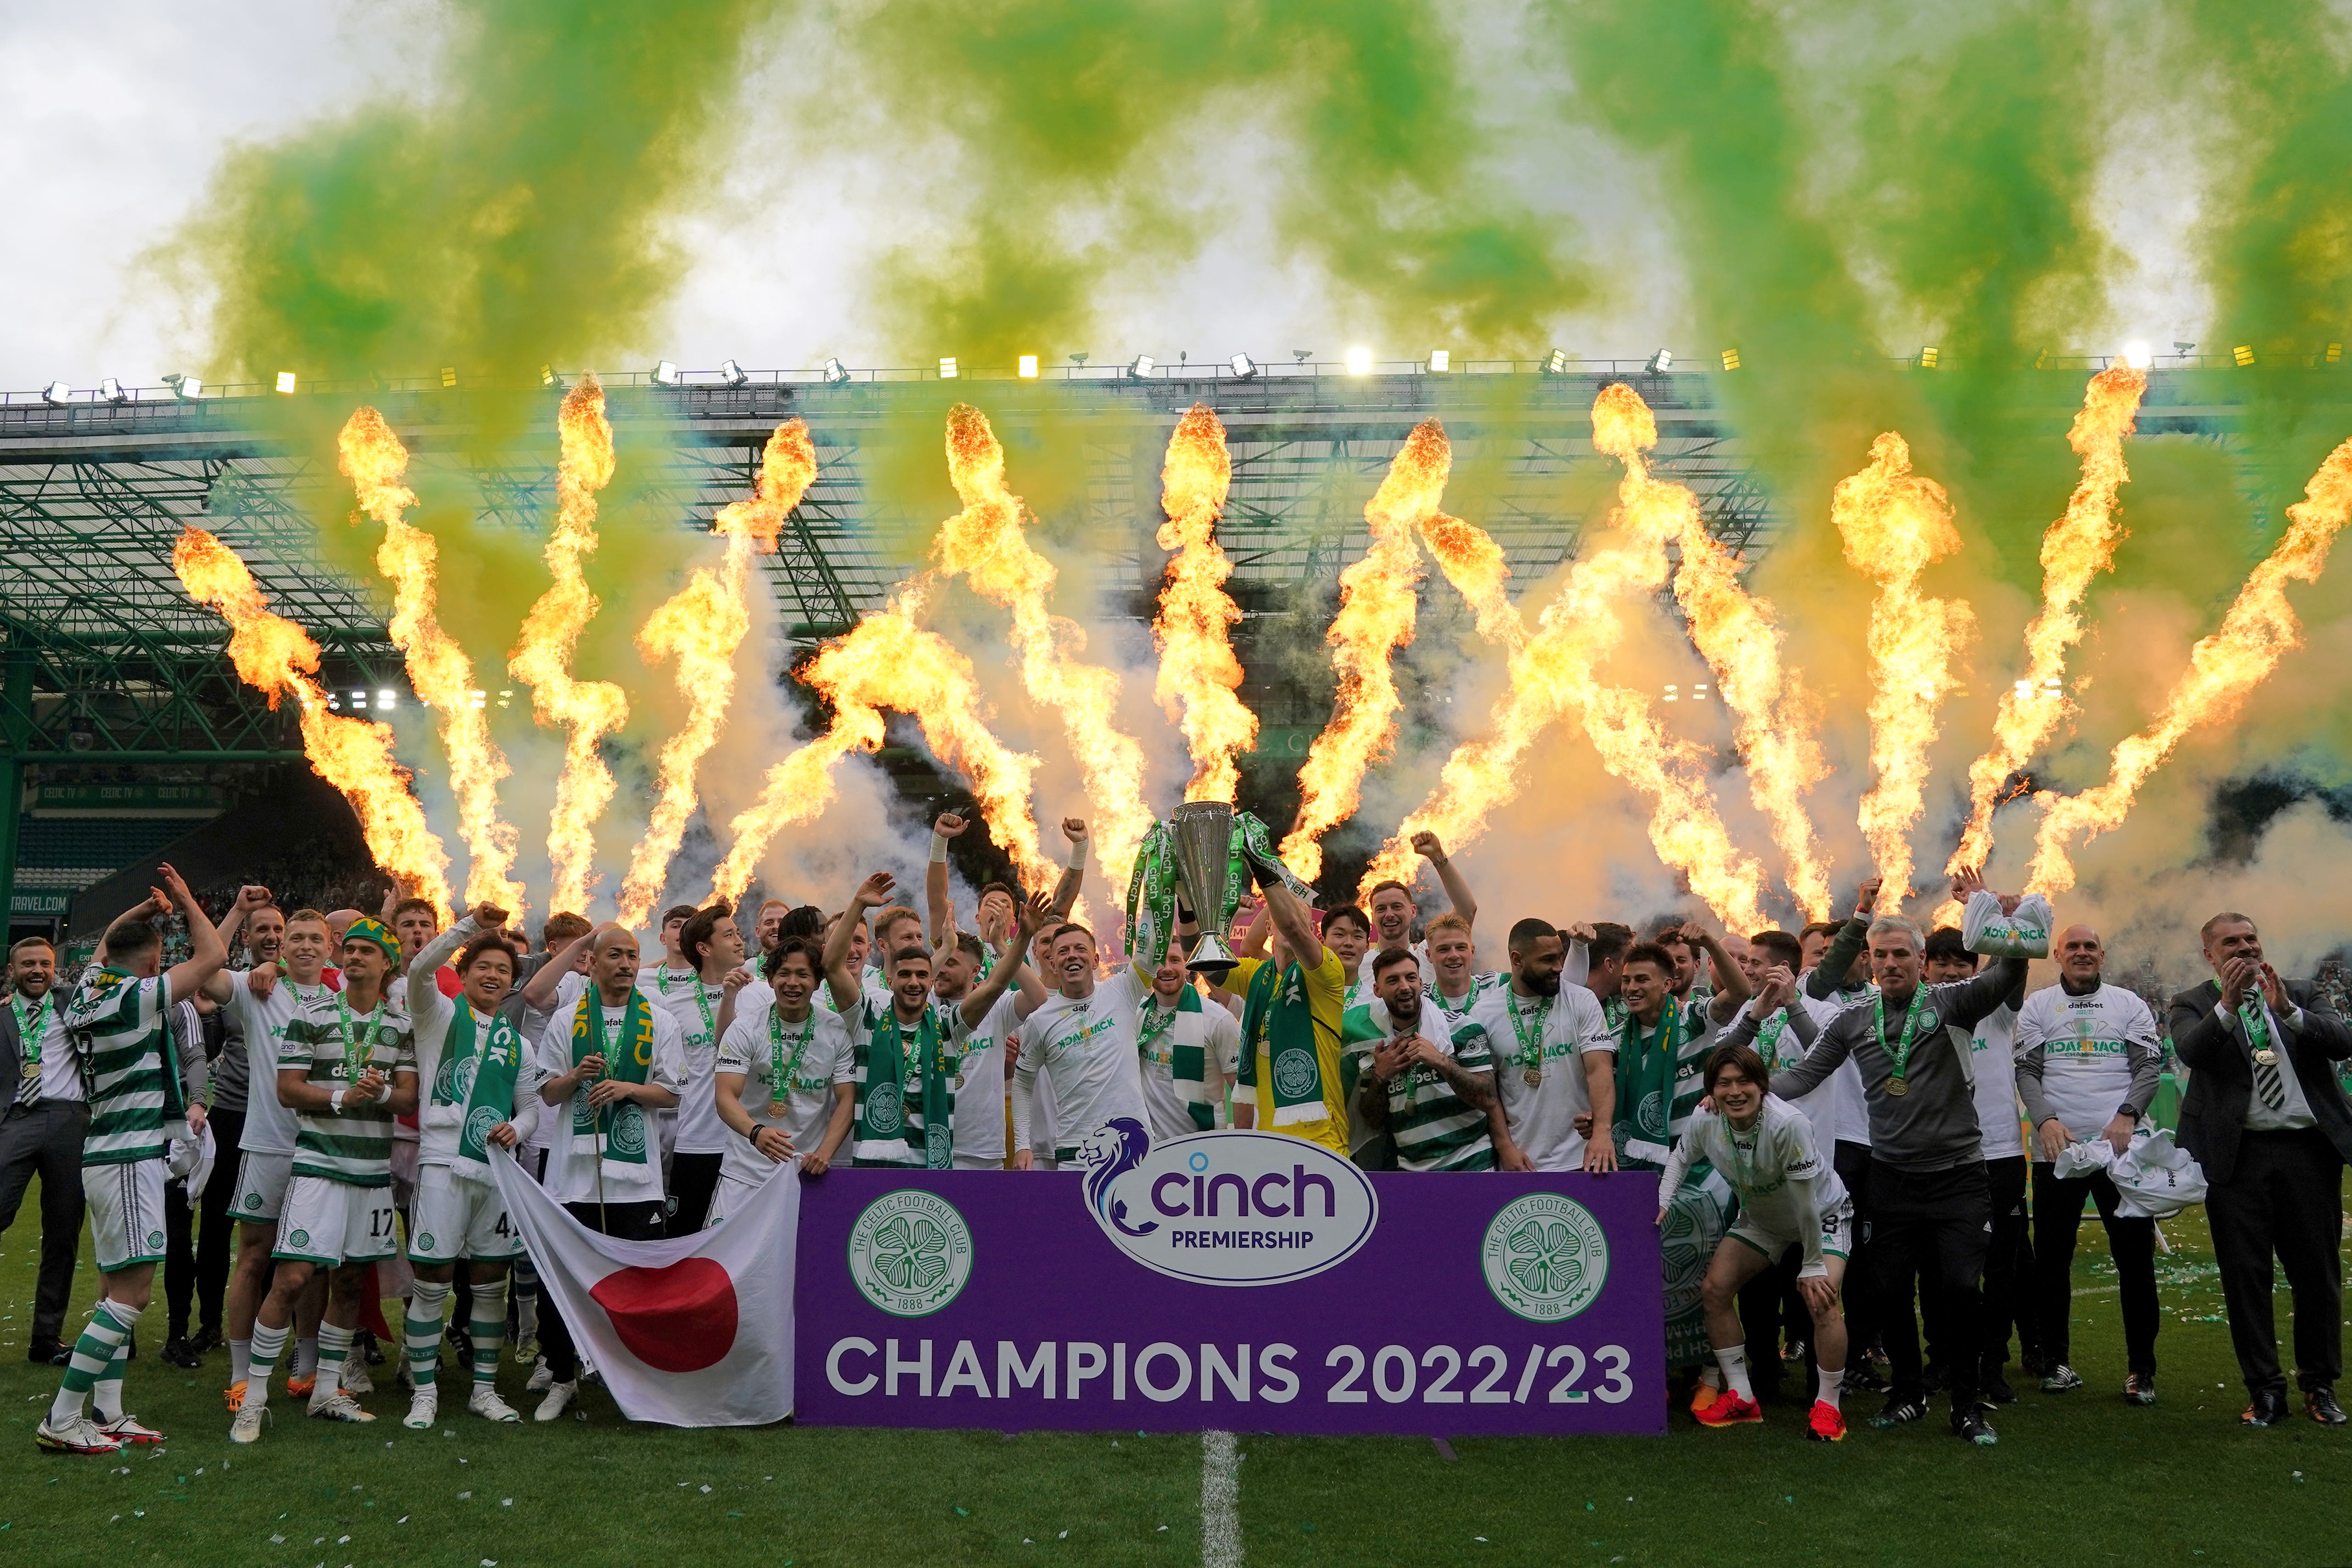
[(665, 374), (835, 372), (548, 378), (2243, 353), (386, 699), (1556, 362), (1438, 360), (1243, 367), (2180, 348), (2137, 355), (1027, 369), (1302, 355), (946, 367), (733, 374), (1661, 360), (2334, 354), (1927, 358), (448, 375), (286, 382), (1359, 361), (1078, 359), (112, 390), (55, 391), (187, 389), (1140, 366), (1730, 359)]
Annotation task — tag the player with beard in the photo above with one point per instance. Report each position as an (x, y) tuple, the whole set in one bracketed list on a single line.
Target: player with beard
[(1393, 906), (43, 1119), (1553, 1056), (1187, 1049), (117, 1018), (985, 1067), (786, 1084), (1433, 1098), (1604, 958), (1931, 1208), (905, 1053)]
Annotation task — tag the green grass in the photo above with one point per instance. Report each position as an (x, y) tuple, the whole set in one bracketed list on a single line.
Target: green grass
[(2079, 1479)]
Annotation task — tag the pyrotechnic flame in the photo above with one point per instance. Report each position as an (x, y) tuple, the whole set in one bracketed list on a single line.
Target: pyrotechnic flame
[(1473, 562), (987, 544), (1552, 675), (1375, 618), (278, 659), (2074, 550), (890, 661), (374, 461), (1198, 671), (541, 656), (1895, 524), (2258, 631), (700, 626)]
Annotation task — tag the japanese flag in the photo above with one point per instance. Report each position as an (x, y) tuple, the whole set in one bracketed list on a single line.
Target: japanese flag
[(694, 1330)]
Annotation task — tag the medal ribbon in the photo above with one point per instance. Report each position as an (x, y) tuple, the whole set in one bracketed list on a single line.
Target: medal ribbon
[(30, 1031), (785, 1073), (1898, 1053), (1156, 1021), (1530, 1034)]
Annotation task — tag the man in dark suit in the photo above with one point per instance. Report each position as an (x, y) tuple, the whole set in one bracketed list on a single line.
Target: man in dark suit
[(42, 1118), (2267, 1120)]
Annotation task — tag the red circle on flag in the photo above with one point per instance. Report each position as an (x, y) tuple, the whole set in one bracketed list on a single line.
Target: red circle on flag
[(678, 1319)]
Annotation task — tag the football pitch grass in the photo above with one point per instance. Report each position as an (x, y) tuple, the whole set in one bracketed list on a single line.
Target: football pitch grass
[(2076, 1478)]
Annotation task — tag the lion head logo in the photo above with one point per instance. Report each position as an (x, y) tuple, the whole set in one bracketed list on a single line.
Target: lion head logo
[(1109, 1154)]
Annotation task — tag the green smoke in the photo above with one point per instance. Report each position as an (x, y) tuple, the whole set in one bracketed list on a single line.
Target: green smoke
[(1074, 120)]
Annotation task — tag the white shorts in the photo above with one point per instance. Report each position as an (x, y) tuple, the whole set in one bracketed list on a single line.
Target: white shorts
[(126, 1212), (723, 1199), (1837, 1233), (331, 1222), (449, 1219), (261, 1186)]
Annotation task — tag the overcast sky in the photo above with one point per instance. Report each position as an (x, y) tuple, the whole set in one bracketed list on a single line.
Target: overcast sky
[(113, 130)]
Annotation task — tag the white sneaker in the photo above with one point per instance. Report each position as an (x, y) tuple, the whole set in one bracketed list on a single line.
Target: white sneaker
[(246, 1427), (80, 1436), (540, 1377), (485, 1402), (421, 1408), (559, 1399), (355, 1378), (128, 1429), (339, 1406)]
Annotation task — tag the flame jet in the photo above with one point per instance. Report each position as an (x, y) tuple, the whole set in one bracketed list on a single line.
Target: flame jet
[(1895, 524), (1553, 676), (700, 626), (2074, 550), (2258, 631), (541, 656), (987, 544), (1376, 618), (1198, 672), (278, 659), (888, 661), (376, 462)]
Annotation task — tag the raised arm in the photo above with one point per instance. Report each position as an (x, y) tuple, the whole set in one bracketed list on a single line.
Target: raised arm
[(1730, 979), (871, 894), (1828, 978), (206, 955), (1066, 887), (147, 908), (220, 988), (1429, 847), (538, 992), (939, 907), (1827, 1052), (1029, 920), (1292, 921)]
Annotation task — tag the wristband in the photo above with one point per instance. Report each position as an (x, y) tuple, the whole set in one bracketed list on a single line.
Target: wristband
[(1078, 855), (335, 1102), (938, 847)]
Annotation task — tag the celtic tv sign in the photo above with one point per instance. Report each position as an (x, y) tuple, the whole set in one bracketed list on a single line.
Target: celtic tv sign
[(1230, 1280)]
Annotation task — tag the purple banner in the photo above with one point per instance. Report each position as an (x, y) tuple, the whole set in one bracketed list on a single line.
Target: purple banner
[(1232, 1281)]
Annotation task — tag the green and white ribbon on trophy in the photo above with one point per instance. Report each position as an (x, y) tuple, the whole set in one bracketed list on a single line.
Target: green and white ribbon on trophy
[(1205, 852)]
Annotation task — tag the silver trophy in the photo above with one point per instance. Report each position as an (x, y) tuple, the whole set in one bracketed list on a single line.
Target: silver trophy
[(1201, 834)]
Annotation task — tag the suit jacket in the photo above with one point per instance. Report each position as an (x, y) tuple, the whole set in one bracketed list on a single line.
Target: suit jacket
[(2222, 1075), (12, 1054)]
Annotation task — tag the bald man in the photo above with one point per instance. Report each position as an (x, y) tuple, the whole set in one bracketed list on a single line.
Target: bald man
[(2087, 1066), (610, 1060)]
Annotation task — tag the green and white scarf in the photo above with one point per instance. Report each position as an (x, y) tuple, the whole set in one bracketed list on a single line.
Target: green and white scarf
[(1151, 889), (616, 1133), (1187, 1065), (478, 1072), (891, 1080), (1645, 1088), (1278, 1016)]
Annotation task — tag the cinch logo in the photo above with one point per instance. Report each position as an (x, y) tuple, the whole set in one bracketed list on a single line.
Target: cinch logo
[(1226, 1209)]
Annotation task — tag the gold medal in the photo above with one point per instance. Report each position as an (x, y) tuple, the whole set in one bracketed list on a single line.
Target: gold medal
[(959, 1082), (1532, 1077), (2267, 1057), (1896, 1086)]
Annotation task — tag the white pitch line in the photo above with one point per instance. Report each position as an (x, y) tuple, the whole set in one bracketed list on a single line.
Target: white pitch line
[(1221, 1489)]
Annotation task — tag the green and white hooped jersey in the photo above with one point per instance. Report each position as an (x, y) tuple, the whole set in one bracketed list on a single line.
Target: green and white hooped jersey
[(117, 1024), (353, 1147), (1435, 1128)]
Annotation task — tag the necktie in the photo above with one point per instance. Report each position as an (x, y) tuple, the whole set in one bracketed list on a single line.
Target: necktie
[(2266, 1072)]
